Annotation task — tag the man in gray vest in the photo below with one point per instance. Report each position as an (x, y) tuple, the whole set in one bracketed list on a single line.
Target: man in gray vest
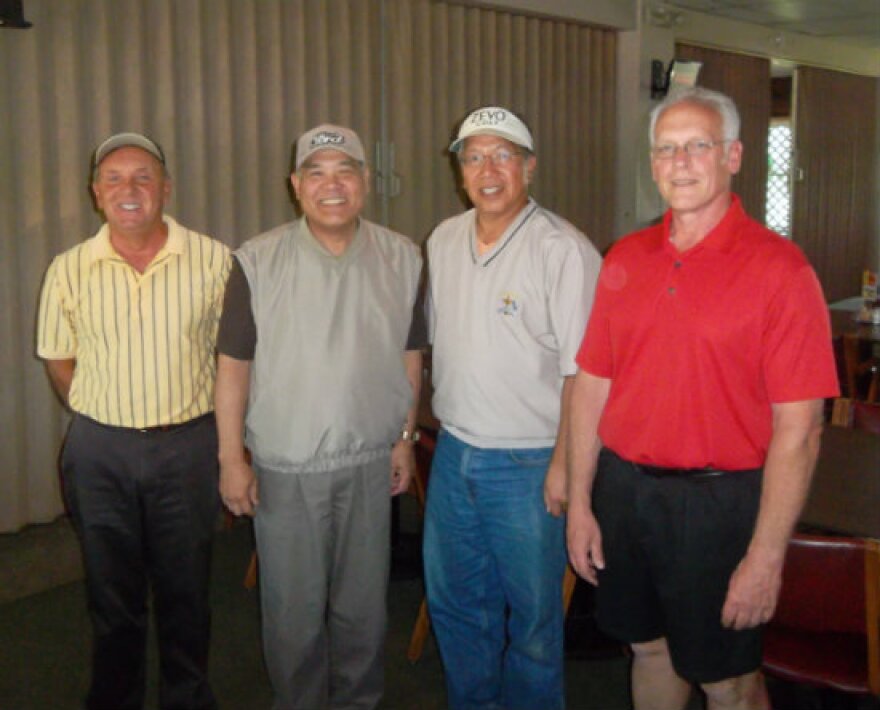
[(320, 372)]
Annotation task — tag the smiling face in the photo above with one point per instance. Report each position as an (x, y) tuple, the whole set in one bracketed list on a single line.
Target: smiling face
[(331, 188), (497, 190), (131, 188), (695, 184)]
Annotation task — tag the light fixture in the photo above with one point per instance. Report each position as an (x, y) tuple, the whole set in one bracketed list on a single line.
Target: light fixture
[(663, 16)]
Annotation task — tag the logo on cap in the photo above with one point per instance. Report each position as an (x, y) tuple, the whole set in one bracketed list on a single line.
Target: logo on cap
[(326, 138), (488, 118)]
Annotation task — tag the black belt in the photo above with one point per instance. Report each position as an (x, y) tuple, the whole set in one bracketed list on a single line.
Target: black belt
[(692, 473), (159, 429)]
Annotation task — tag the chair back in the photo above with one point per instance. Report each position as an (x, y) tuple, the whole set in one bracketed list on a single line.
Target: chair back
[(826, 630), (823, 585), (424, 452), (866, 416), (853, 414)]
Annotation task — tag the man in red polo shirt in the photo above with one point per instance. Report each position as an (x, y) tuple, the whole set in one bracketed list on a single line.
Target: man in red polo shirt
[(696, 417)]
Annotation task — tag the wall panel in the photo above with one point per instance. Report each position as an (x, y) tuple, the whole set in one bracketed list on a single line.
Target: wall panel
[(835, 126)]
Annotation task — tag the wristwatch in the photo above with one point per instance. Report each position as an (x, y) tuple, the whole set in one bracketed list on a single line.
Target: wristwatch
[(410, 435)]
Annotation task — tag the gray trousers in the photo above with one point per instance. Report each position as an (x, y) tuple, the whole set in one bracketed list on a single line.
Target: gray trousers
[(324, 549)]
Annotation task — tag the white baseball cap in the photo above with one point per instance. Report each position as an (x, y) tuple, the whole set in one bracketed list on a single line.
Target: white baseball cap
[(124, 140), (494, 121), (329, 137)]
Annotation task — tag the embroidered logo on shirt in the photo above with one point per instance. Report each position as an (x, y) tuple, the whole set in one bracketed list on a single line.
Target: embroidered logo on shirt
[(509, 306)]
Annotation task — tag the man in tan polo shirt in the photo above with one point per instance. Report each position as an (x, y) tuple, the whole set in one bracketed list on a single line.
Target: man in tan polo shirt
[(127, 327)]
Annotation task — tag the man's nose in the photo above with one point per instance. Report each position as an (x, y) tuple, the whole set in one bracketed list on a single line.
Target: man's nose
[(487, 165)]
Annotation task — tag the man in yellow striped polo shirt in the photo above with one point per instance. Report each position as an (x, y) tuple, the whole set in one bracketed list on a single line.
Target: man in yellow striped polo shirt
[(127, 327)]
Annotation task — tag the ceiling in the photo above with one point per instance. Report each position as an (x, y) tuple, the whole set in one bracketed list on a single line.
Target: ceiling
[(855, 22)]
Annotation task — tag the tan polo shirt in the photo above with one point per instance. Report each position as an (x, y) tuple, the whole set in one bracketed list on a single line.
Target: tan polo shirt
[(143, 343), (506, 325)]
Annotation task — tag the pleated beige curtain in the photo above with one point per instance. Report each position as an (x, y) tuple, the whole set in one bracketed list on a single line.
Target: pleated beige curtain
[(747, 81), (836, 181), (446, 59), (225, 86)]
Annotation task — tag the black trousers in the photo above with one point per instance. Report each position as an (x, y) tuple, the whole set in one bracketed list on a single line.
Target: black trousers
[(144, 504)]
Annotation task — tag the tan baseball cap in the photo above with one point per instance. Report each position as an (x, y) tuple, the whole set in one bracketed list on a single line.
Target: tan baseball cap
[(494, 121), (123, 140), (329, 137)]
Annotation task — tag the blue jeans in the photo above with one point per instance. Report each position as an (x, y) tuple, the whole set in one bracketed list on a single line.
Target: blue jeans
[(494, 561)]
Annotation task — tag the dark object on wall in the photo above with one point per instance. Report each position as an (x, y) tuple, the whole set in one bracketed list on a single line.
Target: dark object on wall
[(679, 74), (12, 15), (659, 79)]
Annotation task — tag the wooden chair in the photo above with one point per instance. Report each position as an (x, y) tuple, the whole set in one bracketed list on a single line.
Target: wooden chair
[(856, 415), (866, 416), (826, 630), (250, 575), (858, 369), (422, 626)]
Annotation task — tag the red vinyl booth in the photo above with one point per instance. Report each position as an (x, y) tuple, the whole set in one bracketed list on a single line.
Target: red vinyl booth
[(826, 631)]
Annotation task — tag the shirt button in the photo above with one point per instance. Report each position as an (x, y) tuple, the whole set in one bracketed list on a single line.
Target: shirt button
[(677, 264), (671, 289)]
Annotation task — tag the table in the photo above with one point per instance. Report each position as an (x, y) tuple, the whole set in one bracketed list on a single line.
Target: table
[(845, 497), (845, 322)]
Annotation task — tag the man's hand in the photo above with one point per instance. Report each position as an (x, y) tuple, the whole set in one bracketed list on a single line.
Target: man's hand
[(754, 586), (752, 592), (238, 487), (555, 488), (585, 544), (403, 465)]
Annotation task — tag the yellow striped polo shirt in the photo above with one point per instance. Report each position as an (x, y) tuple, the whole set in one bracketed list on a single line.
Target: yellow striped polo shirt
[(143, 343)]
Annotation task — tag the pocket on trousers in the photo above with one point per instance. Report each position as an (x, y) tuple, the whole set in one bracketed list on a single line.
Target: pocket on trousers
[(534, 458)]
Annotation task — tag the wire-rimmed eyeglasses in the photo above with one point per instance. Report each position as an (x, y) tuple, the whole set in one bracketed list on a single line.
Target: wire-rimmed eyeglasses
[(692, 148), (499, 157)]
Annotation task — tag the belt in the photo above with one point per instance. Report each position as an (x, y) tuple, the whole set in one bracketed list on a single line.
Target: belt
[(691, 473), (159, 429), (167, 428)]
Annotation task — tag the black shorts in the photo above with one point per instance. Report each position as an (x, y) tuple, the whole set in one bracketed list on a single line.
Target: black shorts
[(671, 544)]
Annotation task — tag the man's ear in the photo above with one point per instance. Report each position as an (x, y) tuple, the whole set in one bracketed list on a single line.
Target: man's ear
[(367, 180), (530, 166), (734, 157)]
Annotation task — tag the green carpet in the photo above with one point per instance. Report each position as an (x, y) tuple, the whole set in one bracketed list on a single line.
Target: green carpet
[(45, 639)]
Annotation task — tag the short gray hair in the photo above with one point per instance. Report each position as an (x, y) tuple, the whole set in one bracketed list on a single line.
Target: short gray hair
[(713, 100)]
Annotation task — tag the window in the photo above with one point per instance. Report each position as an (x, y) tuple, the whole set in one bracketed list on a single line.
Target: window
[(779, 177)]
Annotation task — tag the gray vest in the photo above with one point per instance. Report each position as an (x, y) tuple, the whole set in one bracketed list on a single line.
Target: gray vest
[(328, 386)]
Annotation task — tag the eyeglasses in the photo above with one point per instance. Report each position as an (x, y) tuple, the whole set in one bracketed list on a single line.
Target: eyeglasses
[(693, 148), (500, 157)]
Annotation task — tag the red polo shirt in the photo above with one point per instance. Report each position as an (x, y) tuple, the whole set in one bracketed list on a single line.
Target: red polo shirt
[(699, 344)]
